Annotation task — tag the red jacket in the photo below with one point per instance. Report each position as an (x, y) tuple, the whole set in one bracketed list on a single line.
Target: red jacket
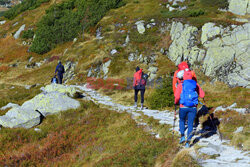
[(137, 77), (176, 81), (178, 91)]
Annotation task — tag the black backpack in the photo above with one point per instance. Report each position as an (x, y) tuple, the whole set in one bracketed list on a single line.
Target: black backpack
[(144, 78), (60, 69)]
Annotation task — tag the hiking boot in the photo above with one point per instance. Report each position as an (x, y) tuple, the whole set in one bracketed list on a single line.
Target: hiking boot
[(135, 106), (187, 145), (141, 106), (182, 140)]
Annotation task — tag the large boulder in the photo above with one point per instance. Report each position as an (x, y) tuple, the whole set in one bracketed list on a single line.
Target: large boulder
[(52, 100), (223, 53), (239, 7), (183, 39), (140, 26)]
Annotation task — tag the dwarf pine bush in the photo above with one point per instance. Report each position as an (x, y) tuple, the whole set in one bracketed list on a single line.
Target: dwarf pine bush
[(25, 5), (64, 21), (163, 95)]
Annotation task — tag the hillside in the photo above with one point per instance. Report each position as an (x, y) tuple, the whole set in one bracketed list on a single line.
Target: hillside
[(102, 42)]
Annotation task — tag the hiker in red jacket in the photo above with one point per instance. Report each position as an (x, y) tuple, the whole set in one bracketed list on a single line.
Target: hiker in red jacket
[(176, 80), (139, 84), (187, 93)]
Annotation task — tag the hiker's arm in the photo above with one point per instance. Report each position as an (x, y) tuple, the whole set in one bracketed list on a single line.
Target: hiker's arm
[(201, 93), (134, 82), (174, 82), (177, 94), (56, 69)]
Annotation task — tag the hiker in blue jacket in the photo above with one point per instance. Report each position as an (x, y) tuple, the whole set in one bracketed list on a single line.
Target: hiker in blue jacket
[(60, 70)]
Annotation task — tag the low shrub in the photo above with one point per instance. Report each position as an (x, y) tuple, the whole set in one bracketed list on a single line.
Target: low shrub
[(25, 5), (219, 3), (64, 21), (28, 34), (195, 12), (163, 95)]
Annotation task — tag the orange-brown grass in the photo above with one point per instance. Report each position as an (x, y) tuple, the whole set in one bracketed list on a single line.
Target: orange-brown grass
[(10, 50), (88, 135)]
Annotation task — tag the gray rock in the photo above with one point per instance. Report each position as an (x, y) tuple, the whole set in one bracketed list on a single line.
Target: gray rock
[(99, 33), (17, 34), (209, 30), (16, 23), (9, 105), (208, 151), (69, 71), (239, 129), (113, 51), (140, 26), (132, 57), (105, 68), (239, 7), (183, 37), (2, 22)]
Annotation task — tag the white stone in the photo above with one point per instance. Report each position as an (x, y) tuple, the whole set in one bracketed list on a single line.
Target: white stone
[(113, 51), (2, 22), (17, 34), (105, 67), (140, 26), (239, 129)]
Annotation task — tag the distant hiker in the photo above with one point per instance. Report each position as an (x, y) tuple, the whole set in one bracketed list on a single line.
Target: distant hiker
[(140, 80), (187, 94), (182, 66), (54, 80), (60, 70)]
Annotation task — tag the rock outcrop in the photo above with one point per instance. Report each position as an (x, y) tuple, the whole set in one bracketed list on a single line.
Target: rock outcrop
[(223, 52), (239, 7), (17, 34), (52, 100)]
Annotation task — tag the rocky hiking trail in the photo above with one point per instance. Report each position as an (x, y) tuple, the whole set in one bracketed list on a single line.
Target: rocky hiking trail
[(223, 154), (57, 98)]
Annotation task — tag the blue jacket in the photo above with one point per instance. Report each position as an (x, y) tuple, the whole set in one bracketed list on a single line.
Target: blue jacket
[(57, 69)]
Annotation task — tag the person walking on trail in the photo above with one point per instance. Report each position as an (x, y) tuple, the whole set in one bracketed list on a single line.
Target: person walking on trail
[(182, 66), (139, 84), (187, 94), (59, 71)]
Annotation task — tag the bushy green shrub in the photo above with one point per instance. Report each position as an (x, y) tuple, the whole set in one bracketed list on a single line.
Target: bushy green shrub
[(195, 12), (219, 3), (25, 5), (163, 95), (28, 34), (66, 20)]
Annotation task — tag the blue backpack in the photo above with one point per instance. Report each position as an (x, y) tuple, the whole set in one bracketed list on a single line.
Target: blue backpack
[(189, 95)]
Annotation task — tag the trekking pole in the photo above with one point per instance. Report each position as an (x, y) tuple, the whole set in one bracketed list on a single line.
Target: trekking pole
[(174, 121)]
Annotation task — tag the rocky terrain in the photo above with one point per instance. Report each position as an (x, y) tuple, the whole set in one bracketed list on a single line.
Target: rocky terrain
[(94, 126)]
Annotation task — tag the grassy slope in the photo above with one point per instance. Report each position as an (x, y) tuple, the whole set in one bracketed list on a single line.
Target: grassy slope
[(89, 52)]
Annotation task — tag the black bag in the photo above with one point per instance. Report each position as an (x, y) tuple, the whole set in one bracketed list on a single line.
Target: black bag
[(144, 78)]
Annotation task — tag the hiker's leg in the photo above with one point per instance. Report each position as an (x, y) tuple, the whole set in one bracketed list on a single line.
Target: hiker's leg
[(59, 78), (191, 117), (142, 95), (136, 95), (182, 116)]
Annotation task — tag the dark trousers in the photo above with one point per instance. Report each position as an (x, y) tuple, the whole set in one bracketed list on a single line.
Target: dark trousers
[(142, 94), (60, 77)]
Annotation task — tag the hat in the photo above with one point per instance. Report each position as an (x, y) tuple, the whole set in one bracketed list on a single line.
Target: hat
[(180, 74), (187, 75)]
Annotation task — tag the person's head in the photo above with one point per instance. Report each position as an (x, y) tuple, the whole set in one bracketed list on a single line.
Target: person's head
[(137, 69), (180, 74), (187, 75), (183, 65), (59, 62)]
